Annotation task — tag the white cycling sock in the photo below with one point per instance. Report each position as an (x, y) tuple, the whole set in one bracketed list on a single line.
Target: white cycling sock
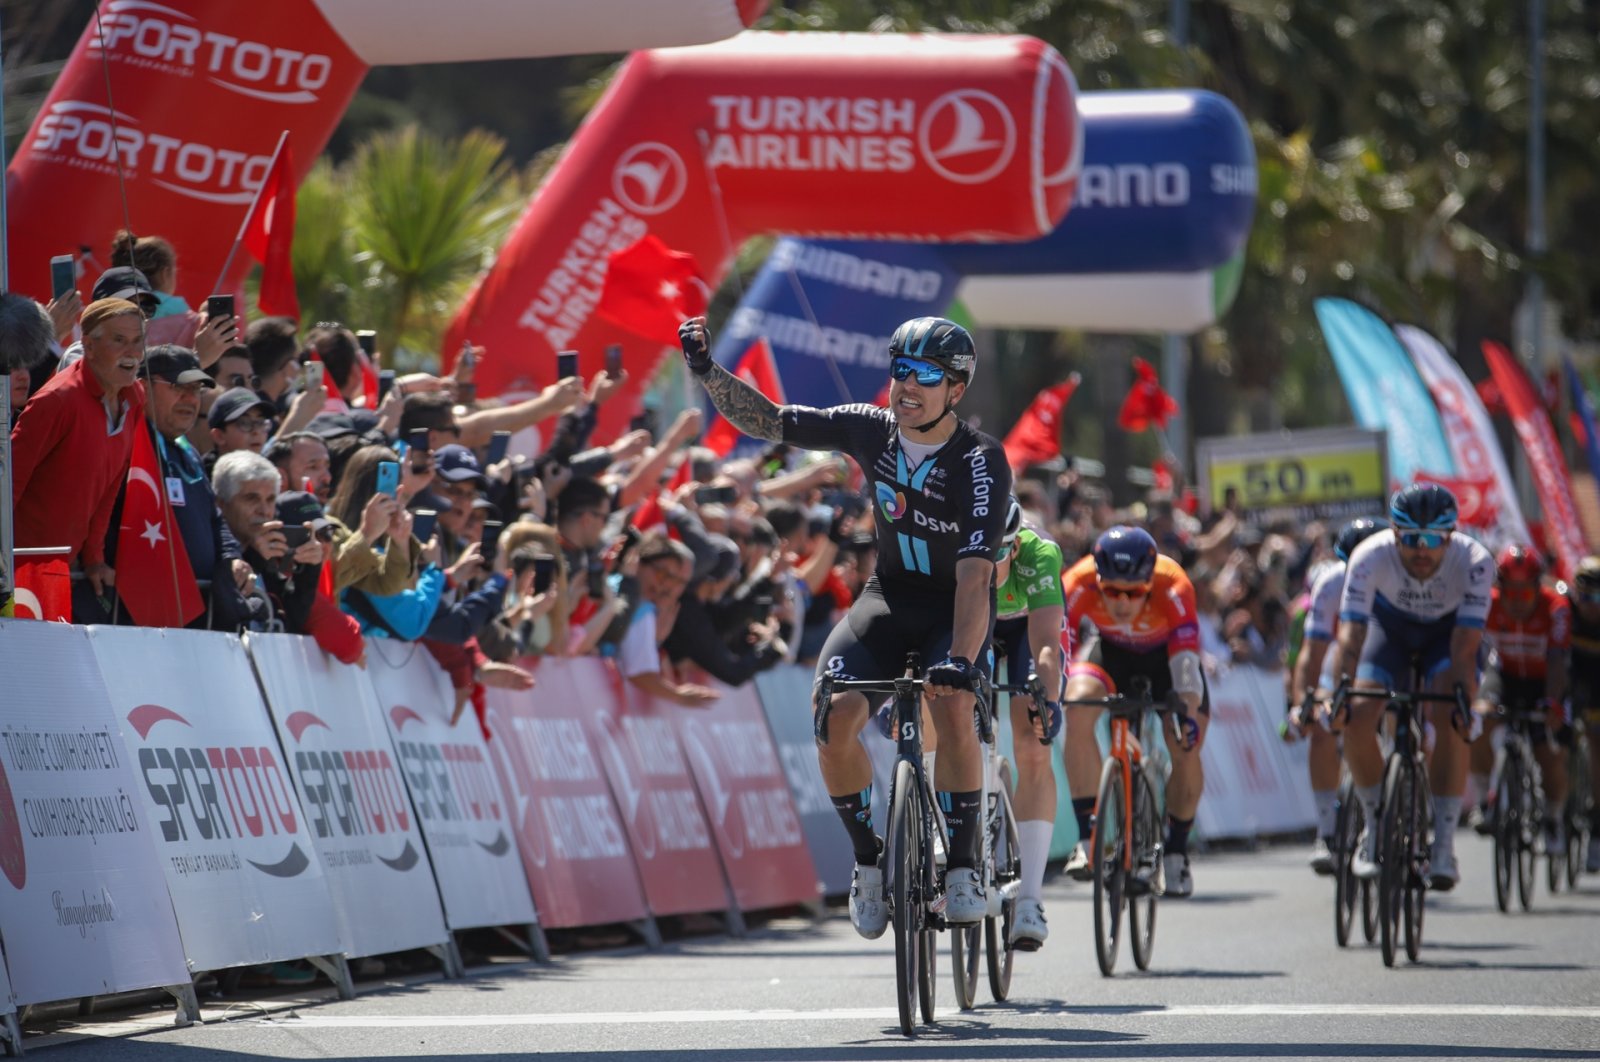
[(1477, 789), (1327, 810), (1369, 795), (1445, 811), (1035, 837)]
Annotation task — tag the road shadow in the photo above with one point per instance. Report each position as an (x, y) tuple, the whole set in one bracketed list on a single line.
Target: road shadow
[(1203, 975), (1220, 899)]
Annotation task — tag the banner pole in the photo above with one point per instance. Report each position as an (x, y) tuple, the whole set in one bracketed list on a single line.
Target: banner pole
[(7, 560)]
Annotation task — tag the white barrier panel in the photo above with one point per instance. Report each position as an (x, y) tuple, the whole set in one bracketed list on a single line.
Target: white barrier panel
[(454, 789), (232, 838), (84, 910), (357, 811), (1255, 784)]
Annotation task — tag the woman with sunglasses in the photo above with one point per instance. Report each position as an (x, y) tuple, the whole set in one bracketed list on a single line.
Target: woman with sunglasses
[(1422, 591), (1584, 596), (941, 489), (1131, 614)]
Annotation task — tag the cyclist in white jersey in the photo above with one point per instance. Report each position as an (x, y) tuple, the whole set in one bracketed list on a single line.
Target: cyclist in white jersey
[(1314, 675), (1422, 590)]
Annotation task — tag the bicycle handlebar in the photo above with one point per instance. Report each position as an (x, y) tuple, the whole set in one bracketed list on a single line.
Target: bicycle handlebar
[(911, 683), (1032, 689)]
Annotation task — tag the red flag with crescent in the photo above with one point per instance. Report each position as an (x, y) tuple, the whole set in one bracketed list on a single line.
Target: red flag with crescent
[(1036, 437), (154, 578)]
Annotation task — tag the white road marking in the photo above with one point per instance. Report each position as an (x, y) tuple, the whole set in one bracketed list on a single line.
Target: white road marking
[(304, 1020)]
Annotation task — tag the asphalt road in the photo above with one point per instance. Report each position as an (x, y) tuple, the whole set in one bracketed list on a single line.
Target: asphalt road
[(1246, 969)]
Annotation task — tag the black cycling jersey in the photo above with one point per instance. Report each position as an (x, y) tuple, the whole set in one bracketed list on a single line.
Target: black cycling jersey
[(951, 506), (1586, 665)]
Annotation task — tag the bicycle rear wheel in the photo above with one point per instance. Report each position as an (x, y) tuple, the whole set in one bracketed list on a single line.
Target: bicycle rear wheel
[(1529, 825), (1107, 847), (1146, 841), (927, 983), (1505, 833), (966, 955), (1007, 870), (1394, 855), (905, 864), (1346, 889), (1577, 809)]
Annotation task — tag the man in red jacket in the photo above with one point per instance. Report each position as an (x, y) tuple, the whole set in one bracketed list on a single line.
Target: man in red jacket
[(71, 445)]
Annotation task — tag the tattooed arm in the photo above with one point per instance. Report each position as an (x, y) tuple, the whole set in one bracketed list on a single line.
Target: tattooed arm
[(745, 407)]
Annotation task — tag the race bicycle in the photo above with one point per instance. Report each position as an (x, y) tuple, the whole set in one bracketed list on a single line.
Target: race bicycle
[(1349, 820), (1517, 809), (1125, 847), (915, 843), (1575, 813), (1405, 814)]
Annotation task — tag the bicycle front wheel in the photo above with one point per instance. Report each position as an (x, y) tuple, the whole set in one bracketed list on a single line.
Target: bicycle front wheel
[(905, 864), (1506, 833), (1529, 823), (1108, 844), (1346, 889), (1416, 887), (1007, 871), (1146, 841), (1394, 854)]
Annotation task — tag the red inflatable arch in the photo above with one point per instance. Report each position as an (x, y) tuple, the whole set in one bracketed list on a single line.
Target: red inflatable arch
[(202, 89), (902, 137)]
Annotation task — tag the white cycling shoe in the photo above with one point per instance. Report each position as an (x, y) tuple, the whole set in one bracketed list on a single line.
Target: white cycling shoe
[(1028, 928), (964, 901), (1078, 867), (869, 914), (1321, 857), (1443, 874), (1364, 863), (1179, 882)]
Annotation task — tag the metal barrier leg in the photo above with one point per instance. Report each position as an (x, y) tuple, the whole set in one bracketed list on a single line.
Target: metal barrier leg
[(449, 957), (10, 1035), (733, 917), (646, 927), (337, 970), (188, 1004), (532, 941)]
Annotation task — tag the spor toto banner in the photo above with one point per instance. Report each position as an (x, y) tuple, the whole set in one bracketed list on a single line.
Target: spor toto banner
[(84, 909), (460, 809), (936, 137), (746, 797), (357, 811), (201, 89), (638, 745), (245, 881), (574, 846)]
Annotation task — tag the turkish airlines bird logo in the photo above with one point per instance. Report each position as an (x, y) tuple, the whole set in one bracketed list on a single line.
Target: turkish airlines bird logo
[(649, 178), (967, 136)]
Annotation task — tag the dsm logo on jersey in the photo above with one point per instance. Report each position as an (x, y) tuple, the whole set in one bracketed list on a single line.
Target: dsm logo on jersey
[(892, 502)]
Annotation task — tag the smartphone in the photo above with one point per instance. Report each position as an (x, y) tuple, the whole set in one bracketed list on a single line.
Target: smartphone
[(544, 573), (388, 478), (314, 375), (296, 535), (490, 539), (499, 443), (723, 495), (614, 360), (566, 364), (385, 383), (422, 524), (220, 306), (63, 275), (368, 340), (467, 357), (417, 440)]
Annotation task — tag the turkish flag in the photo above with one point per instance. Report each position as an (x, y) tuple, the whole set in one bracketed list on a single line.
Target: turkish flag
[(43, 590), (154, 579), (1146, 403), (650, 290), (1474, 497), (650, 515), (269, 236), (1036, 437), (758, 369)]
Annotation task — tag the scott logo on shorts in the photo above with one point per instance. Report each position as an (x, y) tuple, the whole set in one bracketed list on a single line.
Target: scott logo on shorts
[(891, 501)]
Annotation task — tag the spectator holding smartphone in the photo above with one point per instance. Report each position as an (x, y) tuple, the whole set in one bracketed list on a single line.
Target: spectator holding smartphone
[(664, 569), (373, 547)]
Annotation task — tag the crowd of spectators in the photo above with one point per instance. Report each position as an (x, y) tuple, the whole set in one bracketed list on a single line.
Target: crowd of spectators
[(307, 505)]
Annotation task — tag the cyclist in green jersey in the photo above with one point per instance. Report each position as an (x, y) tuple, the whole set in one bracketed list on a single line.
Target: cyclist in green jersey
[(1027, 635)]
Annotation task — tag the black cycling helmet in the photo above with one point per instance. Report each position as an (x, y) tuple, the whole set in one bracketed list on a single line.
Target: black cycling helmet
[(938, 340), (1352, 535), (1587, 578), (1013, 519), (1423, 507), (1125, 555)]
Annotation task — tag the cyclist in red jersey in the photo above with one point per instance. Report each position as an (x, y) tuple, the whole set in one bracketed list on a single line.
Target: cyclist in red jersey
[(1530, 631), (1131, 613)]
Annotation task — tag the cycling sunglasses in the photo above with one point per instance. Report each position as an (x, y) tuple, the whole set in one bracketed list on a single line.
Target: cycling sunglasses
[(928, 374), (1589, 597), (1129, 592), (1424, 539), (1004, 551)]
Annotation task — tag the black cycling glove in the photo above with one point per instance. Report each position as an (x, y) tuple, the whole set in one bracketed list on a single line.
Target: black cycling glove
[(696, 345)]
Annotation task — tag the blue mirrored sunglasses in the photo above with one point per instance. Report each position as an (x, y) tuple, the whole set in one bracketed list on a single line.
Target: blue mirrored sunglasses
[(1424, 539), (928, 374), (1003, 552)]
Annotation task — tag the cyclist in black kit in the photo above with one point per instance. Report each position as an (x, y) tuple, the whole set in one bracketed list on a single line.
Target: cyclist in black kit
[(941, 490)]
